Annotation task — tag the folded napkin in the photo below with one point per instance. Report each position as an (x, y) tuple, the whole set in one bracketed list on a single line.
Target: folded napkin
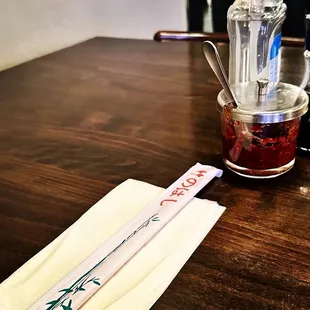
[(143, 279)]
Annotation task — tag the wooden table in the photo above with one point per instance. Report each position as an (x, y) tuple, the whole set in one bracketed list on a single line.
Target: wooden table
[(78, 122)]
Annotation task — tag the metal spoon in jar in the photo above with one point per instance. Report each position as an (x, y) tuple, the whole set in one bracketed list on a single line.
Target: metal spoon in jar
[(213, 57)]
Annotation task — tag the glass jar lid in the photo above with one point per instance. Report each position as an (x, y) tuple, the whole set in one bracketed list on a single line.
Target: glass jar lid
[(266, 102)]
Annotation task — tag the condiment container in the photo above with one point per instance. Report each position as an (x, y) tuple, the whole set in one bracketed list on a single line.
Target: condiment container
[(260, 136)]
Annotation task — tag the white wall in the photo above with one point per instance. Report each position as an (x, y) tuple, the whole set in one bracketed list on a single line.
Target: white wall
[(140, 19), (32, 28)]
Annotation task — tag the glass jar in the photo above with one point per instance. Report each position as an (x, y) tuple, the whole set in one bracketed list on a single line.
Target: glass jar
[(260, 136), (303, 142)]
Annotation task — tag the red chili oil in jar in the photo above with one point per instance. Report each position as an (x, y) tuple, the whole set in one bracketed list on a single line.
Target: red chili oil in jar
[(260, 134), (258, 146)]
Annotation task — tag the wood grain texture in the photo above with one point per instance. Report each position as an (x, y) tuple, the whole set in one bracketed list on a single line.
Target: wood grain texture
[(76, 123)]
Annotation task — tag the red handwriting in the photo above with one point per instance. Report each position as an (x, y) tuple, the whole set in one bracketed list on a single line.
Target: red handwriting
[(201, 173), (189, 182), (167, 200), (179, 191)]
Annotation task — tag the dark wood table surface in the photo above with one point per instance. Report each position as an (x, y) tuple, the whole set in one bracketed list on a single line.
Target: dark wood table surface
[(76, 123)]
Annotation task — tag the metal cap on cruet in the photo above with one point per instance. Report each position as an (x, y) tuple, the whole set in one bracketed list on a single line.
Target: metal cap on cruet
[(262, 89), (263, 101)]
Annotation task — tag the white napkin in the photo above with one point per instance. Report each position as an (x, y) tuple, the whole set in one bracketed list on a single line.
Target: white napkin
[(143, 279)]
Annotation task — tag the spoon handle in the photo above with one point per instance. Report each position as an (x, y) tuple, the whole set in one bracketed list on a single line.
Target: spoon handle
[(213, 57)]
